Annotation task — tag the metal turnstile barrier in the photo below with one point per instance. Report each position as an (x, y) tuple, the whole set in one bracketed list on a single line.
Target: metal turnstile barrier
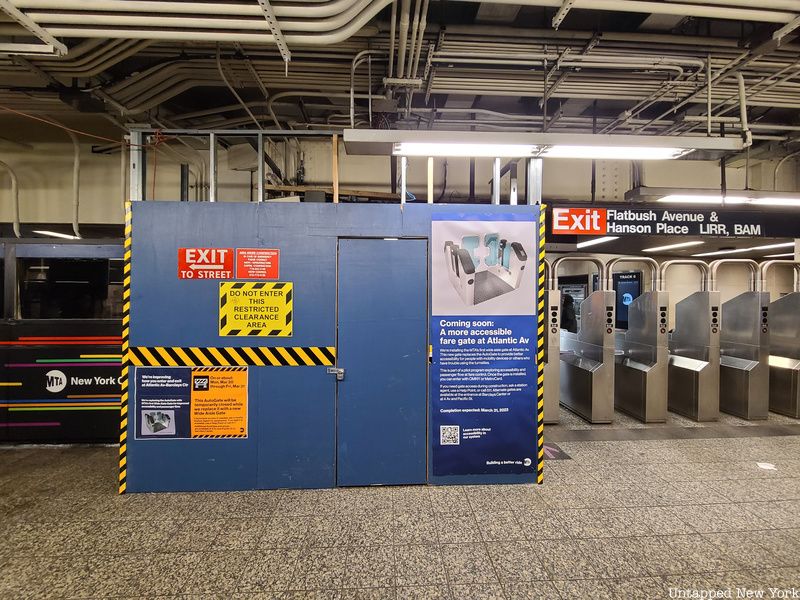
[(587, 357), (552, 346), (784, 345), (642, 353), (693, 373), (744, 347)]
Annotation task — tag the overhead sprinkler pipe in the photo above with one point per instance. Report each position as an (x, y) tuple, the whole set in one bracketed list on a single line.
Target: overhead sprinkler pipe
[(14, 195)]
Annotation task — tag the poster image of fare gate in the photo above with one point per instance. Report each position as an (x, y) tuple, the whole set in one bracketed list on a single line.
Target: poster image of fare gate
[(484, 264), (483, 337)]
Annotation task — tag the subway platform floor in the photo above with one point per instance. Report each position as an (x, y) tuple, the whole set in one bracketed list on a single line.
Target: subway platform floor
[(619, 519)]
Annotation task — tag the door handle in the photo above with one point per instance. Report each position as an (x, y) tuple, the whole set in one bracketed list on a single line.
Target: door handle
[(336, 371)]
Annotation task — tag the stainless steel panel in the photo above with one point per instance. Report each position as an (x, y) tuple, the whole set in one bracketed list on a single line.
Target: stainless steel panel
[(552, 367), (784, 360), (744, 350), (693, 373), (640, 385), (587, 361)]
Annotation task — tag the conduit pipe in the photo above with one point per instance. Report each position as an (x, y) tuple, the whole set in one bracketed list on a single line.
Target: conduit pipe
[(357, 59), (392, 34), (778, 167), (405, 9), (14, 195), (233, 91), (746, 135), (423, 23), (412, 40)]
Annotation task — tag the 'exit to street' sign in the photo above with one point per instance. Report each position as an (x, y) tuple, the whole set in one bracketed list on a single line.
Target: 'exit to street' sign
[(205, 263)]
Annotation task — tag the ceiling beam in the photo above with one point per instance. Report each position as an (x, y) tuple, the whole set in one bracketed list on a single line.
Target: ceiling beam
[(562, 13), (274, 27), (28, 23)]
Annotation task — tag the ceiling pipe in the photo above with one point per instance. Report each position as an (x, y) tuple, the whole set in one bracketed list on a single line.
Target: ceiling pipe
[(405, 10), (778, 167), (14, 195), (412, 40), (747, 136), (661, 8), (423, 23), (358, 59), (392, 35)]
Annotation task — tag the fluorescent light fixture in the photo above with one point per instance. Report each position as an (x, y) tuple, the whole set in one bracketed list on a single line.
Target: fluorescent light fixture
[(753, 249), (469, 150), (673, 246), (65, 236), (595, 241), (414, 142), (785, 255), (702, 199), (713, 197), (614, 152)]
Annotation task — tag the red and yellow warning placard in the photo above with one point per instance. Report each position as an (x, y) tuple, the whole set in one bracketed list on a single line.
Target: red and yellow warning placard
[(219, 402), (258, 263), (255, 308)]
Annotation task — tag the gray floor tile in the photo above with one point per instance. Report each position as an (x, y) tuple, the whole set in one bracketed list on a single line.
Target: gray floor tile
[(541, 524), (371, 566), (372, 529), (721, 517), (286, 532), (449, 500), (326, 532), (457, 528), (269, 570), (565, 559), (516, 561), (663, 520), (637, 587), (468, 564), (420, 565), (241, 534), (499, 526), (424, 592), (319, 568), (375, 593), (410, 528), (480, 591), (597, 589), (533, 590), (216, 572)]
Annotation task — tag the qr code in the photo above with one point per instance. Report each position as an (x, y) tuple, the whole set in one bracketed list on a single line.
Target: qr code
[(449, 435)]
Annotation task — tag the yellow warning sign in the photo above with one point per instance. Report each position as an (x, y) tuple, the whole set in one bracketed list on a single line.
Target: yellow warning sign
[(219, 402), (255, 308)]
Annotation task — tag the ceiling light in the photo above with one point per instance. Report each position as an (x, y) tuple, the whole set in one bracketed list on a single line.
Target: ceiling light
[(785, 255), (56, 234), (595, 241), (753, 249), (614, 152), (770, 201), (702, 199), (772, 246), (673, 246), (470, 150)]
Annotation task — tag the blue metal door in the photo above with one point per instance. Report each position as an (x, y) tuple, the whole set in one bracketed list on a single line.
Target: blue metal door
[(382, 346)]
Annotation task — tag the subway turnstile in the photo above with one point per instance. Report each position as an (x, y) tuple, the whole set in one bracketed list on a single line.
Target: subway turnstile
[(784, 346), (693, 374), (642, 354), (744, 347), (552, 347), (587, 357)]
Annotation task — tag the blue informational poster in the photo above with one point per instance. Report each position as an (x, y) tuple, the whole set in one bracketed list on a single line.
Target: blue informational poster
[(483, 337)]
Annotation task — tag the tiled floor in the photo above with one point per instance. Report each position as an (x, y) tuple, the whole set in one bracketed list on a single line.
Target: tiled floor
[(622, 519)]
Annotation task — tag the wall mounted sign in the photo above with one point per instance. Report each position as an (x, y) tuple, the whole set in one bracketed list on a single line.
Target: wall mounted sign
[(593, 220), (205, 263)]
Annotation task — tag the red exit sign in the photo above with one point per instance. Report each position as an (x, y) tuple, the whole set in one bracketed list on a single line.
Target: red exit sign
[(579, 221), (205, 263)]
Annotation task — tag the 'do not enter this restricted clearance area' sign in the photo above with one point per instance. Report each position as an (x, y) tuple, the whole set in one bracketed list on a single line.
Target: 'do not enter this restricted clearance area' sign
[(255, 308)]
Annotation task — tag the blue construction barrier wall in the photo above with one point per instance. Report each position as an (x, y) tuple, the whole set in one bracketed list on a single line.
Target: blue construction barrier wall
[(292, 433)]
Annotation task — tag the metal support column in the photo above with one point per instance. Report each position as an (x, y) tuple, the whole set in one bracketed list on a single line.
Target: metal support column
[(496, 181), (137, 178), (260, 185), (533, 190), (184, 182), (430, 180), (403, 181), (212, 167), (512, 198)]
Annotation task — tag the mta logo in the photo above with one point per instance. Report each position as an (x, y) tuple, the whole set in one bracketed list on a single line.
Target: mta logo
[(55, 381)]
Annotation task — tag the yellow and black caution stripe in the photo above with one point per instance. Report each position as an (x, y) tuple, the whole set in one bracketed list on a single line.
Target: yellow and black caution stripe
[(218, 437), (279, 356), (231, 305), (126, 320), (218, 369), (541, 314)]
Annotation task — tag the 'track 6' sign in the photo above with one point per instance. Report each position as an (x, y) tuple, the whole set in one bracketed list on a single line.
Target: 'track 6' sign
[(667, 221)]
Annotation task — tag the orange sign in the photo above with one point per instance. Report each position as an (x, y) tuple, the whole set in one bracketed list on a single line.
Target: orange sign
[(219, 402), (579, 221)]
